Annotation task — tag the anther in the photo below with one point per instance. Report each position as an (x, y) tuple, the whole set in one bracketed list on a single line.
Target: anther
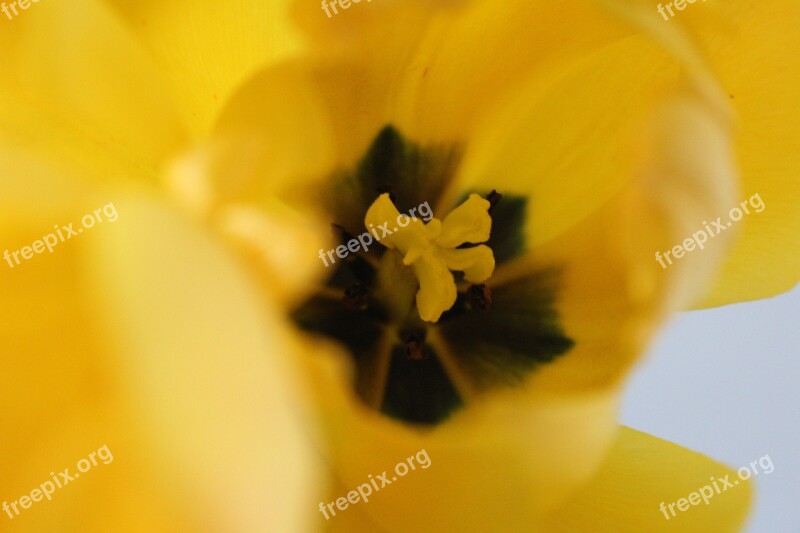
[(479, 297), (494, 198), (415, 347), (342, 234), (387, 189), (356, 297)]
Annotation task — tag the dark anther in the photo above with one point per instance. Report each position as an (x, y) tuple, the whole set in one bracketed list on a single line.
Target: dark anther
[(340, 233), (415, 346), (479, 297), (385, 188), (356, 297), (494, 198)]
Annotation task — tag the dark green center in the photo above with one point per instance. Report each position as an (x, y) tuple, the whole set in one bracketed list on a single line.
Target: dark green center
[(495, 336)]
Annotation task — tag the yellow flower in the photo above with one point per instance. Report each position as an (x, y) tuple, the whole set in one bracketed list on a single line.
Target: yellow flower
[(189, 334), (609, 139)]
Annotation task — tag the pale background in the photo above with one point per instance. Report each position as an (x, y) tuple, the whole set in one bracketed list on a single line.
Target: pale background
[(726, 382)]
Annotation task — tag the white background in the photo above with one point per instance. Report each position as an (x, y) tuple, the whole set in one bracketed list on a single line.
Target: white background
[(726, 382)]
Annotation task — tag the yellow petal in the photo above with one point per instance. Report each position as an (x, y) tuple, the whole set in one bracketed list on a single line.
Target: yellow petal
[(279, 242), (614, 293), (61, 376), (359, 89), (398, 22), (754, 50), (488, 495), (199, 349), (76, 85), (205, 51), (353, 520), (639, 474), (55, 373), (563, 138), (271, 140), (487, 51), (162, 353)]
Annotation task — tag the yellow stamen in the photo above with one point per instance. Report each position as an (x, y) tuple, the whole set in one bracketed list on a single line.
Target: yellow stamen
[(432, 249)]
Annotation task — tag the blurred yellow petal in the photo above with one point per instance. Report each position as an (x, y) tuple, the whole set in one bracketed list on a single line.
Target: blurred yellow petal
[(465, 453), (205, 50), (639, 474), (563, 137), (142, 336), (202, 345), (398, 22), (275, 231), (278, 241), (271, 140), (76, 85), (483, 52), (754, 50), (615, 293), (59, 386)]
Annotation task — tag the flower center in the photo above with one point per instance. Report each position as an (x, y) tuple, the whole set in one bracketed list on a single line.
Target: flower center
[(428, 328), (432, 249)]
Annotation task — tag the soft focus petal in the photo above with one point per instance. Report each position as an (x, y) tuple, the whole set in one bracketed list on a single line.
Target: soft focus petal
[(486, 472), (271, 140), (615, 293), (76, 85), (639, 474), (562, 137), (205, 49), (278, 242), (175, 377), (219, 402), (754, 49)]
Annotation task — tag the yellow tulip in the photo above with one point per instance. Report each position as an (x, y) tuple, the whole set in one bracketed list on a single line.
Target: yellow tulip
[(200, 338)]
